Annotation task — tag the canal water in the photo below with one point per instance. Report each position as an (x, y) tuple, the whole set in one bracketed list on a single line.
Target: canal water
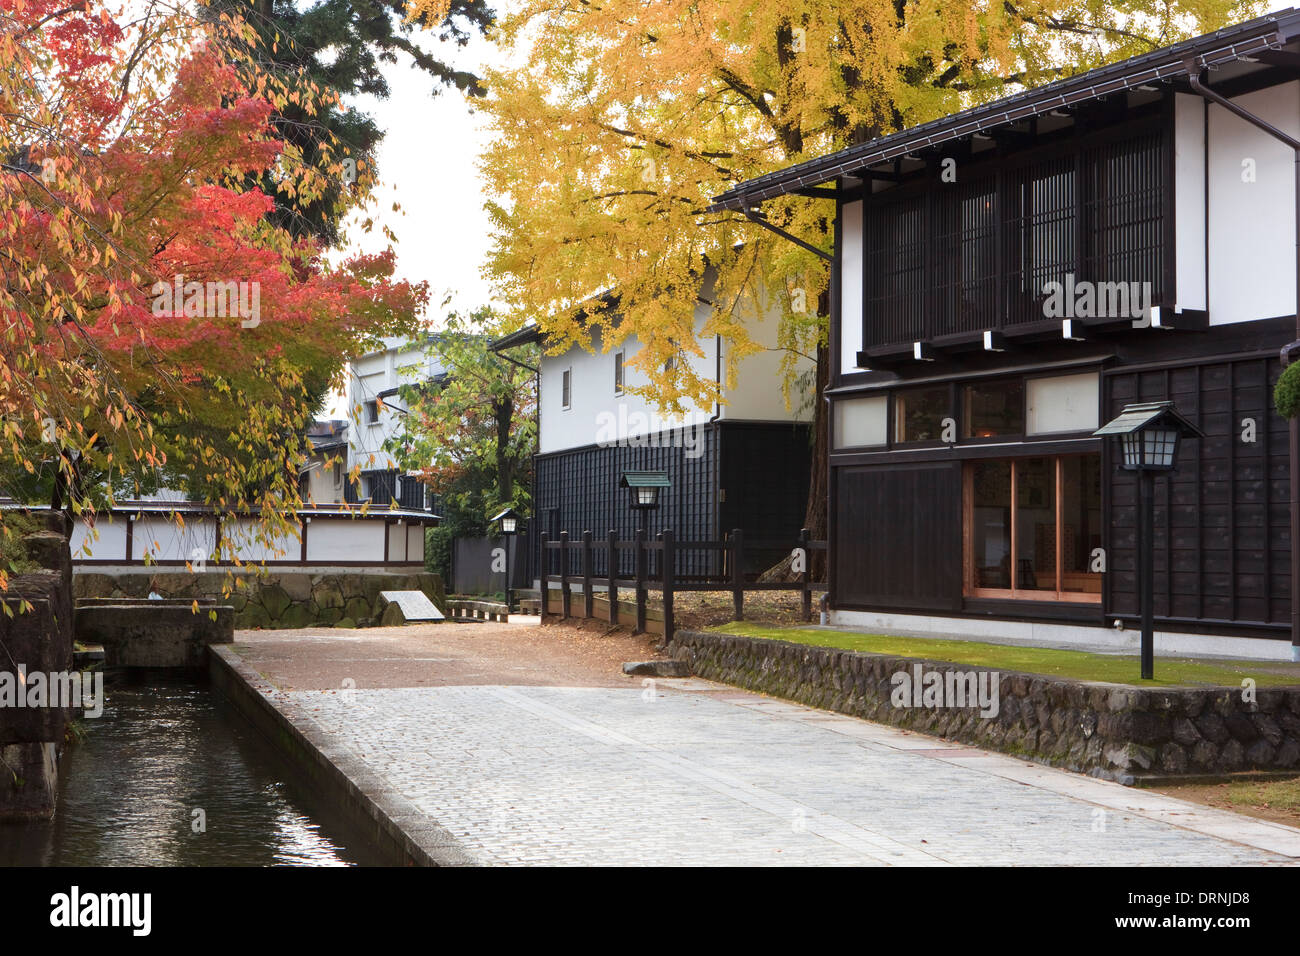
[(164, 749)]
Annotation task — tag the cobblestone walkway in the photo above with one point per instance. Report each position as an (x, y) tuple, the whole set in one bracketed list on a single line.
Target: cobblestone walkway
[(685, 772)]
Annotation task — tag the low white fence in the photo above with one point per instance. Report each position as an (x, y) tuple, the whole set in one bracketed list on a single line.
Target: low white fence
[(334, 537)]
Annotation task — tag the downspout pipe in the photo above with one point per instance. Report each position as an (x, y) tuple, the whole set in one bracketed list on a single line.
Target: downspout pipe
[(1196, 78)]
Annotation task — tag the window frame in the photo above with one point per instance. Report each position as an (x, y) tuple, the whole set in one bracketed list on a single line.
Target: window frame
[(970, 589), (957, 410), (881, 328), (896, 442), (618, 373), (566, 389), (963, 420)]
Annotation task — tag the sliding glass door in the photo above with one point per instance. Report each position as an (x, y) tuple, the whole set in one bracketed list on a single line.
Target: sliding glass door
[(1032, 528)]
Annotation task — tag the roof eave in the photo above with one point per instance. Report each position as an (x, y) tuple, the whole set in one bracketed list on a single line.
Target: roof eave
[(1271, 31)]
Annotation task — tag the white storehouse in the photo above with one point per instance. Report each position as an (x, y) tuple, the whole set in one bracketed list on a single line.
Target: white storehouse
[(739, 464)]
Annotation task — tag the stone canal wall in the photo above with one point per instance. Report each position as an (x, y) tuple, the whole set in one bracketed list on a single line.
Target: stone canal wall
[(277, 599), (1107, 730), (333, 772), (36, 634)]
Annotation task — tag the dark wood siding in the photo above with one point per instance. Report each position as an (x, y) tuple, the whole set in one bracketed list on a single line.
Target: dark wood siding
[(898, 536), (387, 486), (764, 485), (763, 468), (943, 258), (578, 491), (1222, 540)]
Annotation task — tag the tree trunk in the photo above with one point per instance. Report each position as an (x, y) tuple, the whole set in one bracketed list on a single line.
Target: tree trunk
[(505, 414), (818, 486)]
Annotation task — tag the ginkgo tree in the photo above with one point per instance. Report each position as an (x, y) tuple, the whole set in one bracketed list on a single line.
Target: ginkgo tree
[(154, 318), (623, 118)]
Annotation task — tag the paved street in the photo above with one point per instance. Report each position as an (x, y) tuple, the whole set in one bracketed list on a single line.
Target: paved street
[(689, 772)]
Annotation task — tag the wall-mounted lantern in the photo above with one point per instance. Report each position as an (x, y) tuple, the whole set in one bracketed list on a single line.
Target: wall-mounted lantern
[(1149, 434)]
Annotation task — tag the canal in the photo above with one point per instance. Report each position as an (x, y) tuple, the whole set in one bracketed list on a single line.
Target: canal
[(167, 755)]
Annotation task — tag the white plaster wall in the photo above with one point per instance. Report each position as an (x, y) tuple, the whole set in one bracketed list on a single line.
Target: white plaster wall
[(757, 396), (241, 534), (400, 363), (162, 538), (1252, 224), (111, 543), (396, 542), (850, 287), (344, 539), (592, 393), (324, 486), (1189, 200), (594, 404)]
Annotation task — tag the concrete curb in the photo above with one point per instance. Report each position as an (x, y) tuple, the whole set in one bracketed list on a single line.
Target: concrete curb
[(396, 825)]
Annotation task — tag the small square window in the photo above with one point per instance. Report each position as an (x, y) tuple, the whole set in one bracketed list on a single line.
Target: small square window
[(618, 373), (372, 413), (565, 388), (919, 414), (993, 409)]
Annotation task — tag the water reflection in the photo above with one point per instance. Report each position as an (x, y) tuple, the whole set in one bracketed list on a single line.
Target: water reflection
[(162, 751)]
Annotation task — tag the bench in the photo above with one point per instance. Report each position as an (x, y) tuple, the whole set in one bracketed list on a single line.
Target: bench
[(462, 610)]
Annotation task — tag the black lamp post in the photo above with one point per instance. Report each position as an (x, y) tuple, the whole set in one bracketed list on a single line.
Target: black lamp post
[(507, 523), (1148, 435), (645, 487)]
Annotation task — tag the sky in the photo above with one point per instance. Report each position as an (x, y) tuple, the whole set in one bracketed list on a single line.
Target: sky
[(427, 165)]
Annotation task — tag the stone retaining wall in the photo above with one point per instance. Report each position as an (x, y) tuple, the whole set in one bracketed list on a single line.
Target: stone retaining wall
[(1107, 730), (36, 634), (278, 599)]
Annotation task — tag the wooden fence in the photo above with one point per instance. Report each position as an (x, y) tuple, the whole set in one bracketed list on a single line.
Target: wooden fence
[(571, 562)]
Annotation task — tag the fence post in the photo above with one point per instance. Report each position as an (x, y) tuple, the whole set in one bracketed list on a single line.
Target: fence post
[(566, 599), (544, 577), (737, 574), (611, 569), (668, 559), (586, 574), (807, 575), (640, 582)]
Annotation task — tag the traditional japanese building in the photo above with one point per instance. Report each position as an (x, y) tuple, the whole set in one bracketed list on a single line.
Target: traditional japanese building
[(1006, 279), (743, 463)]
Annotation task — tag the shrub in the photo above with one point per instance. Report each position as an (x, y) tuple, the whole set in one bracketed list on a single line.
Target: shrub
[(1286, 394)]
